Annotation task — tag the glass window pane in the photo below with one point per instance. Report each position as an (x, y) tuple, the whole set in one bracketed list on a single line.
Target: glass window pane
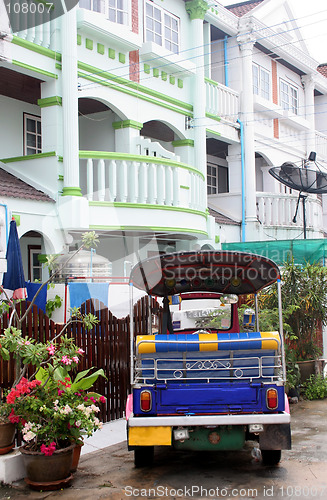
[(149, 10), (39, 143), (157, 14), (157, 27), (38, 125), (174, 24), (157, 39), (30, 151), (30, 125), (149, 23), (112, 3), (112, 15), (31, 140)]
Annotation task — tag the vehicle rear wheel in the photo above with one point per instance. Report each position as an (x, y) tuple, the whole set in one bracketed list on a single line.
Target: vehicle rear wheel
[(143, 456), (271, 457)]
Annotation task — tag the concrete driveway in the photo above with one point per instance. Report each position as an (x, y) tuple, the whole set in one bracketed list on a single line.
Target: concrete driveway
[(110, 473)]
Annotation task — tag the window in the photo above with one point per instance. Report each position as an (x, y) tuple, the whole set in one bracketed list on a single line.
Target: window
[(115, 10), (32, 134), (34, 265), (217, 179), (161, 27), (261, 81), (289, 97)]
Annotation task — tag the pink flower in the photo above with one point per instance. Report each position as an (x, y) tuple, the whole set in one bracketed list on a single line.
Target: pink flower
[(66, 360), (80, 351), (75, 359), (102, 399), (51, 349), (48, 450), (60, 392)]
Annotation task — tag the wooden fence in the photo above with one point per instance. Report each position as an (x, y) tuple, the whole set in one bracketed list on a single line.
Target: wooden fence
[(106, 346)]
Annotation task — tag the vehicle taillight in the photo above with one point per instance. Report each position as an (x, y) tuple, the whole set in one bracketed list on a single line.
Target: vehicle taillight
[(145, 401), (272, 399)]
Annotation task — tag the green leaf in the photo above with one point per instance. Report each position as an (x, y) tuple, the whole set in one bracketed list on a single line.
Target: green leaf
[(87, 382)]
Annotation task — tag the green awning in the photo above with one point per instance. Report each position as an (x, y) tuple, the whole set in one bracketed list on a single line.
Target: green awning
[(279, 251)]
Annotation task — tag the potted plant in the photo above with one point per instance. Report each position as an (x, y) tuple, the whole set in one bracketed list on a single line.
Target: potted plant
[(53, 412)]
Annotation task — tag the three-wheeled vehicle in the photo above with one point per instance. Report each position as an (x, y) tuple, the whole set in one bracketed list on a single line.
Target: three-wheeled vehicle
[(200, 383)]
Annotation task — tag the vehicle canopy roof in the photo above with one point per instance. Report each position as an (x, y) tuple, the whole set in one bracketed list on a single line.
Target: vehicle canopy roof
[(225, 272)]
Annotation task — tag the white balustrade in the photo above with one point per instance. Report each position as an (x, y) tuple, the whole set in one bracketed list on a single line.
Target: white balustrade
[(40, 34), (121, 178), (222, 101), (275, 209)]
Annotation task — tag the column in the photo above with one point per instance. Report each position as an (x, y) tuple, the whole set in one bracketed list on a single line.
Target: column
[(246, 42), (309, 87), (197, 10), (70, 104), (126, 134), (51, 117)]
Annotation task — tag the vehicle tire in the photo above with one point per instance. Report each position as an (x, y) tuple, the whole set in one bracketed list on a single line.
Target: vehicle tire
[(271, 457), (143, 456)]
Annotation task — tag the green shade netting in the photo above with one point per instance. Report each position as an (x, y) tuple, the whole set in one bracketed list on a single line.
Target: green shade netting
[(279, 251)]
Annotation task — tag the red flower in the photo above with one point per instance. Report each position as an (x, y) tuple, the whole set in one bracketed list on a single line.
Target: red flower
[(102, 399), (14, 419), (48, 450)]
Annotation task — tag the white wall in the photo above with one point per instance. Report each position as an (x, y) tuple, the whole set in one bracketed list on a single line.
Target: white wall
[(96, 132), (11, 125)]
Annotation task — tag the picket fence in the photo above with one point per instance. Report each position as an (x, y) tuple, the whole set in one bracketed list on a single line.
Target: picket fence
[(106, 346)]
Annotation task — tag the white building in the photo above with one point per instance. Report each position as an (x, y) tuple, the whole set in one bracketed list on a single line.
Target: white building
[(133, 117)]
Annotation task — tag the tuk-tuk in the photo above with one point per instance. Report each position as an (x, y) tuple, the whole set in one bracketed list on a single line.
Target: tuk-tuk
[(199, 383)]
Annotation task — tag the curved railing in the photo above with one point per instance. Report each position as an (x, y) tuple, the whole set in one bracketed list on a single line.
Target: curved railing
[(137, 179)]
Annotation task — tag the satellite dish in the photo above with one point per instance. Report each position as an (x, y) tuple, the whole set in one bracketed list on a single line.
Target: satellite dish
[(301, 179)]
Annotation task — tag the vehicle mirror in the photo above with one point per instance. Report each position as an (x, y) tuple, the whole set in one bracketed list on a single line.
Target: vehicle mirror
[(229, 299)]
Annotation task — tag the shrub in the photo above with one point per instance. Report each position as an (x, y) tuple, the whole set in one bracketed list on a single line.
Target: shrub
[(316, 387)]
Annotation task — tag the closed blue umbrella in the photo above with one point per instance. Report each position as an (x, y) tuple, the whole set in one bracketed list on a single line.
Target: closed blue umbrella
[(13, 280)]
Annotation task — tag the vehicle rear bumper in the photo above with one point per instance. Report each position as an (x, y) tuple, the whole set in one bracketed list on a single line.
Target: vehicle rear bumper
[(203, 420)]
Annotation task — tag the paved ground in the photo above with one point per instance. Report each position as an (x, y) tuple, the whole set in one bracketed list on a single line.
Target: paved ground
[(109, 473)]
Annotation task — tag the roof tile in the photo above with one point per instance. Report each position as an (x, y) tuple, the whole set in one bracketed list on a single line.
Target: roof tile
[(13, 187), (242, 8), (222, 219)]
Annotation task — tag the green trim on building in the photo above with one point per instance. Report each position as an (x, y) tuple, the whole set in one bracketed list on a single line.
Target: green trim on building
[(164, 76), (71, 191), (133, 85), (217, 238), (111, 53), (88, 44), (146, 206), (155, 72), (28, 157), (196, 9), (50, 101), (100, 48), (147, 68), (79, 39), (127, 124), (121, 58), (147, 228), (172, 80), (58, 66), (135, 94), (17, 219), (16, 40), (36, 70), (180, 83), (184, 187), (213, 132), (137, 158), (213, 117), (183, 142), (60, 177), (213, 82)]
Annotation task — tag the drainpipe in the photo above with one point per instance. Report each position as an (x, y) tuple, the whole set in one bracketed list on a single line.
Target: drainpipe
[(243, 180), (226, 61), (6, 221)]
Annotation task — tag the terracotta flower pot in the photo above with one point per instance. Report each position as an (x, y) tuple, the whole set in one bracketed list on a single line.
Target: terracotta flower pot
[(76, 456), (42, 468), (7, 436)]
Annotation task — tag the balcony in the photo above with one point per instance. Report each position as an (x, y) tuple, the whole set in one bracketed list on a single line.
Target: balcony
[(277, 210), (121, 188), (222, 101)]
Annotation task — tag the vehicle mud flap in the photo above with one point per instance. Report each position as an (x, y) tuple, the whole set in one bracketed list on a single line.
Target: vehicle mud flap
[(276, 437)]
